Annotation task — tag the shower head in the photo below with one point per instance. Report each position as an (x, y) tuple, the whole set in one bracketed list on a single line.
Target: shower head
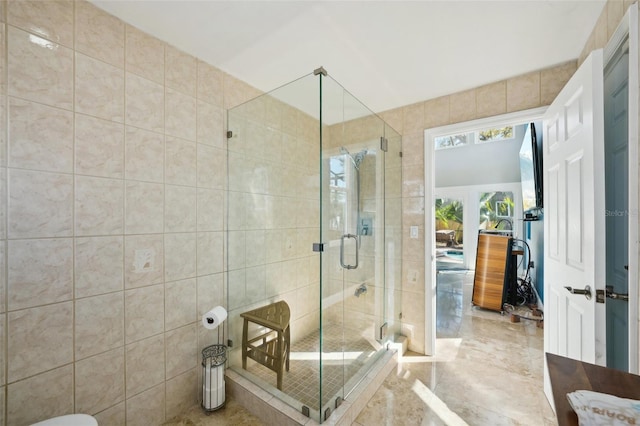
[(355, 159)]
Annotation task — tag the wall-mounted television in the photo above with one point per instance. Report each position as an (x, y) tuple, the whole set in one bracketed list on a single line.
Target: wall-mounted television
[(531, 171)]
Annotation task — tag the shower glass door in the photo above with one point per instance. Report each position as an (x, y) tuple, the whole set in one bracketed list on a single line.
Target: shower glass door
[(353, 264), (313, 220)]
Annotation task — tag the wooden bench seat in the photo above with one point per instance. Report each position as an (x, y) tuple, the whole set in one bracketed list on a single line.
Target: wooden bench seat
[(272, 346)]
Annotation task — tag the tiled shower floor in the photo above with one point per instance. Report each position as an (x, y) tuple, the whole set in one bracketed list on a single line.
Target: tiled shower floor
[(301, 381)]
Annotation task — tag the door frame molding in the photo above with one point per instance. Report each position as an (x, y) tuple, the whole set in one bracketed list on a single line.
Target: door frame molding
[(628, 30), (518, 117)]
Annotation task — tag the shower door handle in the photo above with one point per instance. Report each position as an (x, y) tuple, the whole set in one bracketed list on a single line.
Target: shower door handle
[(342, 238)]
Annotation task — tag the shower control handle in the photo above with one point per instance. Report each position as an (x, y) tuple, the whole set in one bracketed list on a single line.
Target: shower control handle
[(342, 238)]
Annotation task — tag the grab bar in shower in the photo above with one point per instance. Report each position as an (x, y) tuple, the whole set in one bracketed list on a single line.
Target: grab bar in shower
[(342, 238)]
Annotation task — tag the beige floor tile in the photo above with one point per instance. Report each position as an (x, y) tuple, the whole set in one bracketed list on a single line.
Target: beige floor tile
[(232, 414), (487, 370)]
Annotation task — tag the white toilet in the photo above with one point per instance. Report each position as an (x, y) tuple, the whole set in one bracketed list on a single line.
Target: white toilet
[(69, 420)]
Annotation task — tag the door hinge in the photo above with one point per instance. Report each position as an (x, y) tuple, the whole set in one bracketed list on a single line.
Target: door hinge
[(383, 331), (384, 144), (318, 247), (229, 134)]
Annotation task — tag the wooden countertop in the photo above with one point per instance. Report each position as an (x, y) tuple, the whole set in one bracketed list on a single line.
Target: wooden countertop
[(568, 375)]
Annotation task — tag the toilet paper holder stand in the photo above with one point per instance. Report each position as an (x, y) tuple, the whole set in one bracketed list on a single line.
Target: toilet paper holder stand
[(214, 358)]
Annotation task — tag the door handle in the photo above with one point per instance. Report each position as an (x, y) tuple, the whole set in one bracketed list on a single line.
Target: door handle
[(619, 296), (586, 291), (342, 238)]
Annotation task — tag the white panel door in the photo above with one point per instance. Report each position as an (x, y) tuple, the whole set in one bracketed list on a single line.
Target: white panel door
[(575, 218)]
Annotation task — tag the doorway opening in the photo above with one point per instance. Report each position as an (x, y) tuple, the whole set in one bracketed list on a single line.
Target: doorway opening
[(492, 201)]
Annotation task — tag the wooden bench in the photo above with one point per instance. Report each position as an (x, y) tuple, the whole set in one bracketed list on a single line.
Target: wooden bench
[(272, 346)]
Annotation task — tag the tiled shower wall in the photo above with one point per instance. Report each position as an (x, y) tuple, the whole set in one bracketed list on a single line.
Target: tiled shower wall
[(273, 214), (112, 171)]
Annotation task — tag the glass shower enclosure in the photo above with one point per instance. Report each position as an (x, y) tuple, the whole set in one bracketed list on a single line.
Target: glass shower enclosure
[(314, 220)]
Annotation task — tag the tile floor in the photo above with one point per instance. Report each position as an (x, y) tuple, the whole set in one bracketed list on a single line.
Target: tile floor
[(232, 414), (488, 371)]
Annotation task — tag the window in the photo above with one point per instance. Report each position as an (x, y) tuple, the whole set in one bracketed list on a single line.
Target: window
[(496, 210), (503, 209), (495, 134), (449, 222), (449, 233), (338, 193), (451, 141), (481, 136)]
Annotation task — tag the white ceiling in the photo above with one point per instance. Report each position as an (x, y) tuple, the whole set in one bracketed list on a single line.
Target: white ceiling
[(386, 53)]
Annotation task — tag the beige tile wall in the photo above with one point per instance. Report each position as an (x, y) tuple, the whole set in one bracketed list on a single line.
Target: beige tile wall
[(116, 145), (607, 23)]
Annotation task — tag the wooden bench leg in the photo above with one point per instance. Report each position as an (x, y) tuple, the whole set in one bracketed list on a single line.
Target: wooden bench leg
[(245, 330), (287, 343), (278, 360)]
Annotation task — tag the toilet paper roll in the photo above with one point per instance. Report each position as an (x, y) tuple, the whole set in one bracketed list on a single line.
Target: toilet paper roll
[(212, 319), (213, 398), (213, 377)]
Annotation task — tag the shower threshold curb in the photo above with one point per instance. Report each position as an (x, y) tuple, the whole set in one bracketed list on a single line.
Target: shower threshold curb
[(272, 411)]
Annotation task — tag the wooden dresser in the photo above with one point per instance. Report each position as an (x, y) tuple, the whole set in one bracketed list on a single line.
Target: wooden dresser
[(491, 277)]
